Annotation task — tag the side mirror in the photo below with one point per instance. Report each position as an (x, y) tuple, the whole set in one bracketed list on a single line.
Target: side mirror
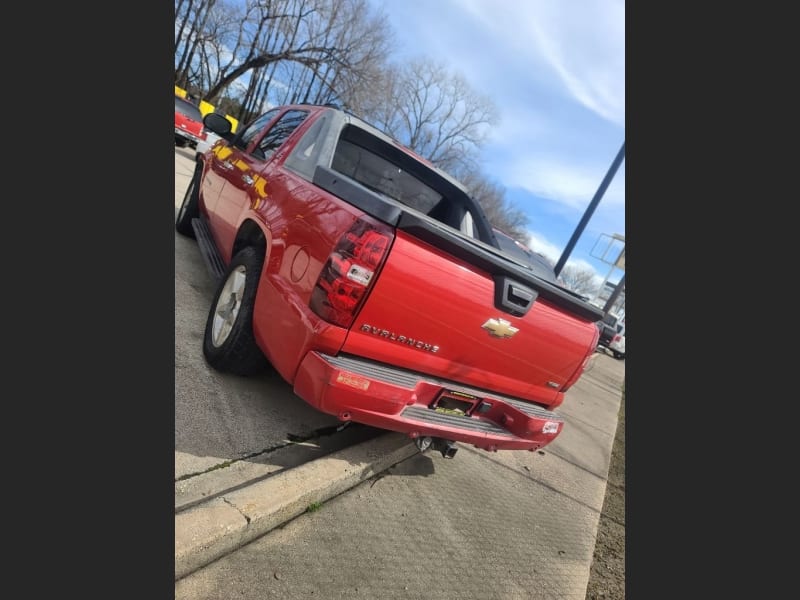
[(218, 124)]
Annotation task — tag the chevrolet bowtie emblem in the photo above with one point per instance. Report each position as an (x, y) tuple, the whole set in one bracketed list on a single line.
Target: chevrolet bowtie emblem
[(500, 328)]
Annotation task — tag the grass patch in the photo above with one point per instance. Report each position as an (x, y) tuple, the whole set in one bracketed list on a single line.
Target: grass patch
[(314, 507)]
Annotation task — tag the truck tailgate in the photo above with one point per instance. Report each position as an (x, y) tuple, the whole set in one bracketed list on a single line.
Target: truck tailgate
[(458, 333)]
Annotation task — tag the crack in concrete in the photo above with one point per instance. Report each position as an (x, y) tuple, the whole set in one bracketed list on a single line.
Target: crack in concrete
[(229, 503), (228, 463), (292, 439)]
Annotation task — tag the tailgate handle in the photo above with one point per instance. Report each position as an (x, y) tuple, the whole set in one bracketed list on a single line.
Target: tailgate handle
[(512, 297)]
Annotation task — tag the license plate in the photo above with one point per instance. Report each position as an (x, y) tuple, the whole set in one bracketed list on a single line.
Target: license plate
[(455, 403)]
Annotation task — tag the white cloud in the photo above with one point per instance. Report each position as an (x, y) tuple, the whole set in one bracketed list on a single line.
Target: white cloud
[(539, 243), (550, 58), (582, 42), (593, 69), (569, 184)]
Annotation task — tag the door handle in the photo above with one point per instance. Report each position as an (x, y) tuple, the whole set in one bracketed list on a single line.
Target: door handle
[(247, 179), (227, 165)]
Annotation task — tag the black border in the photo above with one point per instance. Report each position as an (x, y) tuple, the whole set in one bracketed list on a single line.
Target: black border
[(91, 258), (710, 179), (90, 275)]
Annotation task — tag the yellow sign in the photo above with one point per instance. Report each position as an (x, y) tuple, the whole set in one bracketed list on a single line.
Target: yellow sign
[(206, 108)]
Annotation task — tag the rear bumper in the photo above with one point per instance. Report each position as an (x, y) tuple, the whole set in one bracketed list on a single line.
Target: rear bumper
[(398, 400)]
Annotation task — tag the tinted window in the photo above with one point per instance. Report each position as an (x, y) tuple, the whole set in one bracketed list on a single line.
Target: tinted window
[(509, 245), (279, 132), (523, 254), (384, 176), (305, 155), (255, 127), (187, 109)]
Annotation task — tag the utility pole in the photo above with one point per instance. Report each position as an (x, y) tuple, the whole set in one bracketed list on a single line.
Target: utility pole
[(590, 210), (619, 261), (614, 295)]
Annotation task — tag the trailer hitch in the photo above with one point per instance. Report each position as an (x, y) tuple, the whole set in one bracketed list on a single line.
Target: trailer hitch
[(446, 447)]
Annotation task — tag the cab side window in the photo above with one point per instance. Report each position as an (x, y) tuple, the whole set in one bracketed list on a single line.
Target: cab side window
[(255, 128), (281, 130)]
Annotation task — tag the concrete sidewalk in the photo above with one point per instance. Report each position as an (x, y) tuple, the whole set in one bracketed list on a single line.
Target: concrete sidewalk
[(393, 523)]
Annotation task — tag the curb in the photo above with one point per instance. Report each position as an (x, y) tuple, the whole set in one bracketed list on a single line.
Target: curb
[(215, 528)]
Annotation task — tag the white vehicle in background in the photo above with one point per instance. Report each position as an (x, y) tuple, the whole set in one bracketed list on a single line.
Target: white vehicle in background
[(617, 344), (211, 139)]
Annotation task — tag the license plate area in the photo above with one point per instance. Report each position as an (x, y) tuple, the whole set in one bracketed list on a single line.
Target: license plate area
[(450, 402)]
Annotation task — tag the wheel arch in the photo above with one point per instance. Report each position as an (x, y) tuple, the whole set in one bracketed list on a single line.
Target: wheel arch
[(251, 234)]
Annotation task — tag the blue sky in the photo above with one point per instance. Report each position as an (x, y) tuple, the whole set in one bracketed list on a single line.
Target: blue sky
[(556, 71)]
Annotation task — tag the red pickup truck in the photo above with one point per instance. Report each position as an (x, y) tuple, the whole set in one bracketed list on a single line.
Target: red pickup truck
[(374, 285)]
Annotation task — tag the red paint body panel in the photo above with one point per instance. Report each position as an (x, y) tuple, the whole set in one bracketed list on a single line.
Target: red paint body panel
[(458, 300), (300, 222), (305, 223)]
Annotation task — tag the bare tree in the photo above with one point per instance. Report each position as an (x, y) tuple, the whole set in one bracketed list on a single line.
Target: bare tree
[(579, 279), (258, 21), (195, 19), (183, 12), (491, 196), (435, 113), (363, 40), (210, 49), (325, 49), (283, 33), (294, 22)]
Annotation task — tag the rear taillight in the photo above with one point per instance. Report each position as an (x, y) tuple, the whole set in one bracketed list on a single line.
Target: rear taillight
[(616, 338), (350, 271)]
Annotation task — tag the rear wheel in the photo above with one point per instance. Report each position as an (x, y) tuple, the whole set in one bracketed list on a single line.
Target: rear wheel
[(229, 344), (189, 207)]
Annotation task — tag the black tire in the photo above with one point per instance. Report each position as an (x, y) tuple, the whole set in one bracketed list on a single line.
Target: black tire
[(228, 342), (189, 207)]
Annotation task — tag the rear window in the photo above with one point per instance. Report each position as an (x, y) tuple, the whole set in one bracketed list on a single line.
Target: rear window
[(510, 245), (522, 253), (188, 110), (383, 176)]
